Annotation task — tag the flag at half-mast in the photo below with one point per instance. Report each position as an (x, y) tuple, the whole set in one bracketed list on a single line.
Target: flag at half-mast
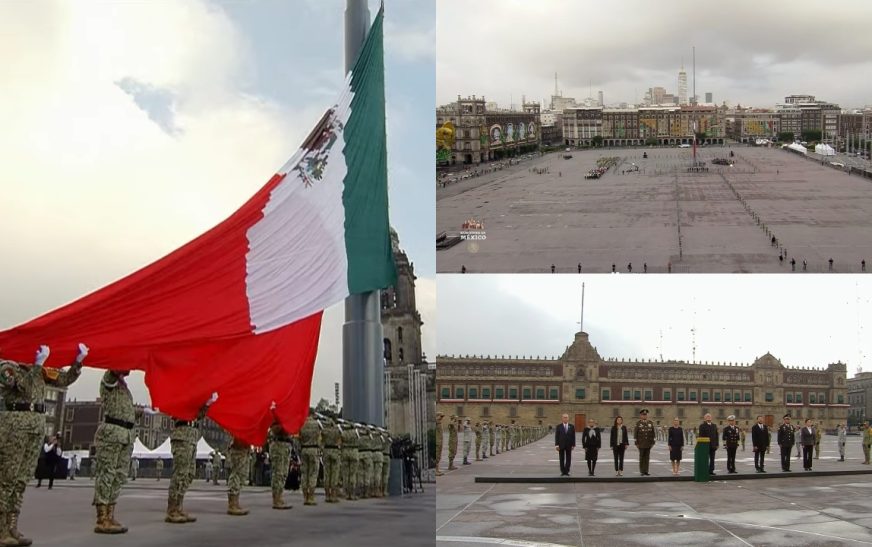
[(238, 310)]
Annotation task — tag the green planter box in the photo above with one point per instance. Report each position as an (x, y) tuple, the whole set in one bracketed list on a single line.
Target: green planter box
[(701, 460)]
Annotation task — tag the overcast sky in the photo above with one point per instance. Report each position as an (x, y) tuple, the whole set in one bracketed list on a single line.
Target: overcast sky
[(129, 128), (804, 320), (747, 51)]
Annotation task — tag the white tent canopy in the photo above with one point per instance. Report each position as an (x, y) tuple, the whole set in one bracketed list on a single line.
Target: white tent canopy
[(162, 452), (204, 451), (824, 150), (796, 147), (140, 450)]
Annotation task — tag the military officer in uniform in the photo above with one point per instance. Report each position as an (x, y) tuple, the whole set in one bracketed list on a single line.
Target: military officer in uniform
[(818, 432), (332, 437), (386, 461), (183, 443), (710, 430), (478, 432), (310, 441), (364, 469), (350, 460), (114, 446), (452, 442), (439, 438), (760, 442), (280, 462), (467, 441), (492, 438), (22, 429), (644, 436), (216, 466), (239, 454), (377, 462), (786, 439), (485, 438), (498, 430), (731, 438)]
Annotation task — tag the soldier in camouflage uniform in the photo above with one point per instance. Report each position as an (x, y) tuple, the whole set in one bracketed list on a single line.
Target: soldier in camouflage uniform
[(492, 438), (485, 438), (280, 462), (216, 466), (183, 444), (452, 442), (332, 437), (439, 435), (114, 442), (478, 432), (310, 440), (364, 450), (377, 462), (350, 460), (239, 454), (498, 436), (22, 429), (386, 461)]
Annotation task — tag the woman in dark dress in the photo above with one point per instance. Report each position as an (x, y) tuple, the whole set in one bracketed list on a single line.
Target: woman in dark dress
[(591, 441), (675, 442), (618, 441)]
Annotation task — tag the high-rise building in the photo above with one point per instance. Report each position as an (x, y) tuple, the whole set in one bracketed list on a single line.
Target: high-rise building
[(682, 86), (708, 97), (600, 98)]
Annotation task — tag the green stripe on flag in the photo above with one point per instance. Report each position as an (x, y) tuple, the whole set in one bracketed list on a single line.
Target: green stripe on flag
[(365, 195)]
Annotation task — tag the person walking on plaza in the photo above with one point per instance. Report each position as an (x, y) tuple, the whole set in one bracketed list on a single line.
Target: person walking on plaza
[(731, 443), (183, 444), (208, 471), (591, 441), (643, 436), (710, 430), (467, 441), (439, 438), (842, 437), (114, 446), (452, 442), (310, 440), (73, 467), (280, 457), (806, 438), (51, 458), (760, 443), (818, 433), (239, 454), (22, 427), (564, 442), (786, 438), (675, 442), (134, 468), (618, 441), (867, 442)]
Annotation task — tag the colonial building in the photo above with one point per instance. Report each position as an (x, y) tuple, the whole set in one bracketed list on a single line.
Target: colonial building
[(860, 397), (537, 391)]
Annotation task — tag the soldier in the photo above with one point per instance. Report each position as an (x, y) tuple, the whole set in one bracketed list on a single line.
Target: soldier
[(239, 454), (362, 461), (114, 445), (183, 443), (731, 443), (843, 436), (377, 462), (478, 432), (216, 466), (485, 438), (467, 441), (817, 442), (506, 438), (280, 462), (785, 441), (709, 430), (22, 430), (332, 437), (350, 460), (499, 434), (492, 438), (439, 439), (452, 442), (158, 465), (386, 461), (644, 438), (365, 454), (867, 442), (310, 440), (742, 434)]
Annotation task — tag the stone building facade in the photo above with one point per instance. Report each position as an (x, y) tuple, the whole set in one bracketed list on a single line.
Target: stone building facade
[(537, 391), (860, 397)]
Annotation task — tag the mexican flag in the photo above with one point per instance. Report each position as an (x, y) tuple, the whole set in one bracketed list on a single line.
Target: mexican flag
[(238, 310)]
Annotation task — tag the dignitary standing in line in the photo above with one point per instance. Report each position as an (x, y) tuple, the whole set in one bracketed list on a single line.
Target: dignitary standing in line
[(675, 441), (564, 442), (760, 442), (731, 443), (644, 439), (591, 441), (710, 430), (786, 439), (618, 441), (807, 438)]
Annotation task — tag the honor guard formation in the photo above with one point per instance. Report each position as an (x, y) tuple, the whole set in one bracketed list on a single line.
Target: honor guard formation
[(355, 457)]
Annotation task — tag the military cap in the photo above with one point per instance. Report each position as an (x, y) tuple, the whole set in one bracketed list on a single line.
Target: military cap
[(786, 416), (643, 411), (731, 417)]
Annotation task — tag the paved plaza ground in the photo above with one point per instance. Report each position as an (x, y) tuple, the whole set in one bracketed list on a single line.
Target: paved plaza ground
[(64, 516), (698, 222), (789, 510)]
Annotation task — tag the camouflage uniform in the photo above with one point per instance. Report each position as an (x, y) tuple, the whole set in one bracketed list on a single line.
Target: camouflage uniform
[(239, 454), (365, 467), (349, 461), (280, 463), (332, 436), (183, 444), (114, 442), (216, 467), (439, 434), (386, 463), (477, 430), (492, 438), (452, 442), (310, 439), (377, 462), (22, 432)]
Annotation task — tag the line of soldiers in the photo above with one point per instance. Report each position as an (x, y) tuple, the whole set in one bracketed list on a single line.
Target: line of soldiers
[(490, 438)]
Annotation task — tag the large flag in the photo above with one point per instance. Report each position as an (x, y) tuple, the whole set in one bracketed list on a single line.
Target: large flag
[(238, 310)]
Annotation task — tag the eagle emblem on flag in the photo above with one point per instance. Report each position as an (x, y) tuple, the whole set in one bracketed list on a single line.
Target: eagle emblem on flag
[(317, 147)]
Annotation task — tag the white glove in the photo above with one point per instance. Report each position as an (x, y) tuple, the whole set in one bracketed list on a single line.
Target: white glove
[(83, 352), (212, 399), (41, 355), (272, 406)]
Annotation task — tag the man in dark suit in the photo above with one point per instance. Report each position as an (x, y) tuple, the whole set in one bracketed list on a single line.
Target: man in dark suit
[(760, 440), (564, 441), (710, 430)]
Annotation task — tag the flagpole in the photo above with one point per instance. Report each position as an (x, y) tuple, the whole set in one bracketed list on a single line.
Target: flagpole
[(362, 346)]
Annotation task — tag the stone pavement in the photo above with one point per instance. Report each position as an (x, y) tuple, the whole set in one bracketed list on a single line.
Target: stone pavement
[(790, 510), (64, 516), (699, 222)]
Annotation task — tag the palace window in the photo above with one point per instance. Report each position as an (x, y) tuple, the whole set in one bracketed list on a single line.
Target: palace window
[(693, 395), (705, 396), (637, 395), (485, 393), (499, 393), (579, 393), (526, 393), (552, 394), (841, 399), (822, 398), (606, 395), (446, 394), (540, 393), (458, 393), (737, 396), (789, 397), (667, 395), (513, 393), (717, 396), (769, 397), (812, 398), (728, 396), (648, 395), (473, 393), (680, 395), (798, 397), (747, 396)]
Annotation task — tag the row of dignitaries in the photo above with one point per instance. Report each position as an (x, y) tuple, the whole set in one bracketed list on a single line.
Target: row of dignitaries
[(490, 438)]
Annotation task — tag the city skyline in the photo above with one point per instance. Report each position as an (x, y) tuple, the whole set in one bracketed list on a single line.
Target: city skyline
[(751, 63)]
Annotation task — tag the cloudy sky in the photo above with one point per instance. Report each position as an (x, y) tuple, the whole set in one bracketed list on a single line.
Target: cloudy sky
[(129, 128), (804, 320), (747, 51)]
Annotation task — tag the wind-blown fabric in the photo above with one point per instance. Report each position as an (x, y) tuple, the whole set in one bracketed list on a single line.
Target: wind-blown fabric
[(238, 310)]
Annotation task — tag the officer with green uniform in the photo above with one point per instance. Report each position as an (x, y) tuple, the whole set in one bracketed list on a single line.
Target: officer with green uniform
[(332, 437), (364, 449), (280, 461), (350, 460), (183, 444), (485, 438), (817, 442), (478, 432), (114, 446), (22, 429), (377, 461), (310, 440), (867, 442), (439, 435), (452, 442), (492, 438), (239, 454), (644, 435), (499, 436)]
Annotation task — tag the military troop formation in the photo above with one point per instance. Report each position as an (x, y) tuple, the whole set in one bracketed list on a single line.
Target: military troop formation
[(355, 457), (490, 439)]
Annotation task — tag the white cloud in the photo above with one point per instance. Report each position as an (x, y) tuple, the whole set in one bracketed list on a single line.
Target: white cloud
[(410, 43)]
